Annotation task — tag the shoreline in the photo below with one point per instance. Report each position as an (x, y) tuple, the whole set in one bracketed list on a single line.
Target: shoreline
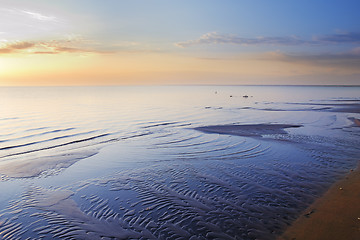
[(334, 215)]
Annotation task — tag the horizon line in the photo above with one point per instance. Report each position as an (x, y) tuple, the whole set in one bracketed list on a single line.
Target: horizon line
[(189, 85)]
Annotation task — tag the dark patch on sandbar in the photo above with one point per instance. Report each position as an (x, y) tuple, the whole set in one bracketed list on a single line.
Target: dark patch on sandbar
[(248, 129)]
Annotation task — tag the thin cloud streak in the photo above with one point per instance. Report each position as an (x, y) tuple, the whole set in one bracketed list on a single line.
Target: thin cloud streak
[(39, 16), (71, 44), (27, 13), (350, 37), (15, 46), (215, 38), (343, 60), (46, 47)]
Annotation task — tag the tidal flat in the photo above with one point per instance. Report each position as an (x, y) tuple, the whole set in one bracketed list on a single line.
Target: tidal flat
[(181, 162)]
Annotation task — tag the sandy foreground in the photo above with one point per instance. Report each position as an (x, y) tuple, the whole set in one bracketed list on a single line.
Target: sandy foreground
[(336, 215)]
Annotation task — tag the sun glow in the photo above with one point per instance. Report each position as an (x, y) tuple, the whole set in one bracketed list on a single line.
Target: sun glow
[(67, 43)]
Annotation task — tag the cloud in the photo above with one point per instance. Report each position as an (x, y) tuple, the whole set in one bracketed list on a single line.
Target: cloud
[(215, 38), (21, 45), (15, 12), (353, 54), (349, 37), (344, 60), (38, 16), (356, 51), (69, 45), (15, 46)]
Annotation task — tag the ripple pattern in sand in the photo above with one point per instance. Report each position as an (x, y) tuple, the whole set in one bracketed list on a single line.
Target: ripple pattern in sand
[(186, 185), (191, 199)]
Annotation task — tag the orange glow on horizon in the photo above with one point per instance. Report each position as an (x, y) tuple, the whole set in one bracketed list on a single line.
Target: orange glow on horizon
[(151, 68)]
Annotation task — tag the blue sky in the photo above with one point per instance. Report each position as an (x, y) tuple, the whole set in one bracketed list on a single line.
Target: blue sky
[(312, 39)]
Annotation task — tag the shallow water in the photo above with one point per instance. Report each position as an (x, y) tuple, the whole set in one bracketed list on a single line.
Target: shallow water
[(128, 162)]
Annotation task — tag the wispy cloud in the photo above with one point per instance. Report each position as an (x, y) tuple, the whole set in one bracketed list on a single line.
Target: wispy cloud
[(29, 14), (216, 38), (38, 16), (353, 54), (356, 51), (344, 60), (69, 45), (347, 37), (15, 46)]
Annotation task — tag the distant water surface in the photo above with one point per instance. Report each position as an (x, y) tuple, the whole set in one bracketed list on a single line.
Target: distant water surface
[(130, 163)]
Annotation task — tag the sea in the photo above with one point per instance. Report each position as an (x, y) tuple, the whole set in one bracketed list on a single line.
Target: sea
[(131, 162)]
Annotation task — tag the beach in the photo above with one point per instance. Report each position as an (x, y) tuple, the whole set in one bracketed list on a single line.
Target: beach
[(173, 162), (179, 120), (335, 215)]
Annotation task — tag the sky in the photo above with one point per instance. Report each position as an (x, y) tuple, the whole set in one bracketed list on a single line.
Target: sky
[(179, 42)]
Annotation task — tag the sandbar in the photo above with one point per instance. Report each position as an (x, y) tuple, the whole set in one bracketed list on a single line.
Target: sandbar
[(250, 130), (34, 167), (334, 216)]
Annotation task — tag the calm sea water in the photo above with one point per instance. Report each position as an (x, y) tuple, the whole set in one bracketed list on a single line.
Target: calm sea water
[(127, 163)]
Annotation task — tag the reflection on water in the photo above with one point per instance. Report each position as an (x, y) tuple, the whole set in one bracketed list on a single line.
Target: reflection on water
[(128, 162)]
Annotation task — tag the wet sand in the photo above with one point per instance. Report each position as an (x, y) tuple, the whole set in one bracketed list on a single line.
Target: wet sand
[(248, 130), (34, 167), (336, 215)]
